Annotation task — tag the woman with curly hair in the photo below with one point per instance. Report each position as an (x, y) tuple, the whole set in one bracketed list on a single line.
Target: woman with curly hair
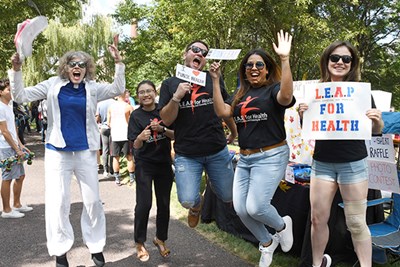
[(72, 141)]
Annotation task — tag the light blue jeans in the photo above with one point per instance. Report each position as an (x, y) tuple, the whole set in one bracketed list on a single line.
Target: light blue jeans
[(188, 173), (257, 177)]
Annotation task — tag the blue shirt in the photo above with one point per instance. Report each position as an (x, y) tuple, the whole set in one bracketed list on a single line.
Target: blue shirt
[(72, 102)]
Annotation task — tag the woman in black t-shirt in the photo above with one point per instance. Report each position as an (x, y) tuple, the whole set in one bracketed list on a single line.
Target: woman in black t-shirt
[(152, 151), (258, 108), (341, 164)]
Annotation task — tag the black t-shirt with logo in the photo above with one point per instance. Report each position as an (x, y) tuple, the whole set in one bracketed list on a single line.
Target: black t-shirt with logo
[(339, 151), (157, 149), (198, 130), (260, 118)]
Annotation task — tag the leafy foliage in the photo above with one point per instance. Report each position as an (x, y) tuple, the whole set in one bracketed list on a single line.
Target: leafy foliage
[(165, 27)]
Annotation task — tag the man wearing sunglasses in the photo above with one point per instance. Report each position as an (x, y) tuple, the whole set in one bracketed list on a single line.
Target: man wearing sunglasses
[(72, 142), (200, 142)]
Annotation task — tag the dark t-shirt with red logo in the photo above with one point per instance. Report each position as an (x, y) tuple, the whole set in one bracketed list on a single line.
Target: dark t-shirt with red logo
[(198, 130), (260, 118), (158, 147)]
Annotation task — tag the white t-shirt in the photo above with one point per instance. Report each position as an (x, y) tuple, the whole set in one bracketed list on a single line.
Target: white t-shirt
[(7, 115), (119, 125)]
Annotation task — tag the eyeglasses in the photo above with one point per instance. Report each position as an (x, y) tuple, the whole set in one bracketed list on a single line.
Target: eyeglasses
[(80, 64), (196, 50), (147, 91), (259, 65), (335, 58)]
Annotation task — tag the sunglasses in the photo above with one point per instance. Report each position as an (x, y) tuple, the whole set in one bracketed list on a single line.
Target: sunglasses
[(336, 58), (80, 64), (147, 91), (196, 50), (259, 65)]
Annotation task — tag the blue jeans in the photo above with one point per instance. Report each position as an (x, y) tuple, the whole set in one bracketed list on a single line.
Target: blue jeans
[(188, 173), (257, 177)]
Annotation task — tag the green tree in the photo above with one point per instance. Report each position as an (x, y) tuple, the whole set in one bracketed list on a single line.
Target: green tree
[(13, 12)]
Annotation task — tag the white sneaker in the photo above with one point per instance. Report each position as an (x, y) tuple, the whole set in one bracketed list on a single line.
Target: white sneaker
[(105, 174), (268, 252), (23, 208), (13, 214), (286, 235)]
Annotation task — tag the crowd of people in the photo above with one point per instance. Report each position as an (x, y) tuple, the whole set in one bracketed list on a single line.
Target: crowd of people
[(102, 115)]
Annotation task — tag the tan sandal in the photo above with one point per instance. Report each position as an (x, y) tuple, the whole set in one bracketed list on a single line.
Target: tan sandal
[(142, 253), (162, 248)]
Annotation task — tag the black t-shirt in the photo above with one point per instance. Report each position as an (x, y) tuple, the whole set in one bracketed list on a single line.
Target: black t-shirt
[(198, 130), (157, 149), (339, 151), (260, 118)]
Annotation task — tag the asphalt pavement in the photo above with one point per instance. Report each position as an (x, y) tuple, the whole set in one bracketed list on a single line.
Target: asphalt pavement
[(23, 241)]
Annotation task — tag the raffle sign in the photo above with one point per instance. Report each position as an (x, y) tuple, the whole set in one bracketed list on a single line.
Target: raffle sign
[(381, 164), (336, 110)]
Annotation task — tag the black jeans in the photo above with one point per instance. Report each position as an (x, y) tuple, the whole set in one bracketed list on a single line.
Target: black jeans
[(162, 176)]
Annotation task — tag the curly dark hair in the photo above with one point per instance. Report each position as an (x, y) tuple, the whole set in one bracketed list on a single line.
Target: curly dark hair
[(4, 83), (67, 57)]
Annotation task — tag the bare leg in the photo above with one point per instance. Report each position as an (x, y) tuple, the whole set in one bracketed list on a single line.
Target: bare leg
[(322, 193), (5, 195), (357, 192), (17, 188)]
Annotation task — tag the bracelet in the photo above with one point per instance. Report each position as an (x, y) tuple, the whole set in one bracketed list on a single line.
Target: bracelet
[(174, 99)]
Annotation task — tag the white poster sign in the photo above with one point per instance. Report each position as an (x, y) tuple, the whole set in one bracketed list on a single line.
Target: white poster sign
[(190, 75), (336, 110), (382, 168), (223, 54)]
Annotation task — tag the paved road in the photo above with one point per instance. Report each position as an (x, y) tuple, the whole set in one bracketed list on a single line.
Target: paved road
[(23, 241)]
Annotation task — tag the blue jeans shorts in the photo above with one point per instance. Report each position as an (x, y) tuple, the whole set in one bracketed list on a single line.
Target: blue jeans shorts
[(341, 173)]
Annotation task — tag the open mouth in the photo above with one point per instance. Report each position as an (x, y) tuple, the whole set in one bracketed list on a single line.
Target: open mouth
[(196, 62), (77, 75)]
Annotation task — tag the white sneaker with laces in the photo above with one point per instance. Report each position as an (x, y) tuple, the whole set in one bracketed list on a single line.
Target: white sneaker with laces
[(13, 214), (105, 174), (268, 252), (23, 208), (286, 235)]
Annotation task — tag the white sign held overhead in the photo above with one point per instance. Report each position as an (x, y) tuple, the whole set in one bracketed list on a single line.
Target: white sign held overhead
[(223, 54), (26, 33), (190, 75)]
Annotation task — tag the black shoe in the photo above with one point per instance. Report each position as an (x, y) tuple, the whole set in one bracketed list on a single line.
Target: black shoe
[(61, 261), (98, 259)]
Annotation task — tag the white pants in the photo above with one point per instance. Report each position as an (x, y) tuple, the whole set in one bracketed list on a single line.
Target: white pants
[(59, 169)]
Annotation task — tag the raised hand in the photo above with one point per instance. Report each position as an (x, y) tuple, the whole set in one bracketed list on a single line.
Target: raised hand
[(284, 44), (113, 48), (215, 70), (16, 62)]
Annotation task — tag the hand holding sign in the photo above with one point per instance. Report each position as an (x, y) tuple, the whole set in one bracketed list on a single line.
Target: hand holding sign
[(215, 70)]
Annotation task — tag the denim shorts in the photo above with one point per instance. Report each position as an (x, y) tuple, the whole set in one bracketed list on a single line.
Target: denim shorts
[(341, 173)]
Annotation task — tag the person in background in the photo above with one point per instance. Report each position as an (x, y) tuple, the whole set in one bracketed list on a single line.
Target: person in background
[(10, 146), (152, 146), (341, 164), (101, 115), (43, 118), (117, 119), (72, 142), (35, 115), (265, 92), (129, 99), (200, 142)]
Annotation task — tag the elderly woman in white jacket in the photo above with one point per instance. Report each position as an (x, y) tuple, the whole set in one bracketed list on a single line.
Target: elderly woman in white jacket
[(72, 141)]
